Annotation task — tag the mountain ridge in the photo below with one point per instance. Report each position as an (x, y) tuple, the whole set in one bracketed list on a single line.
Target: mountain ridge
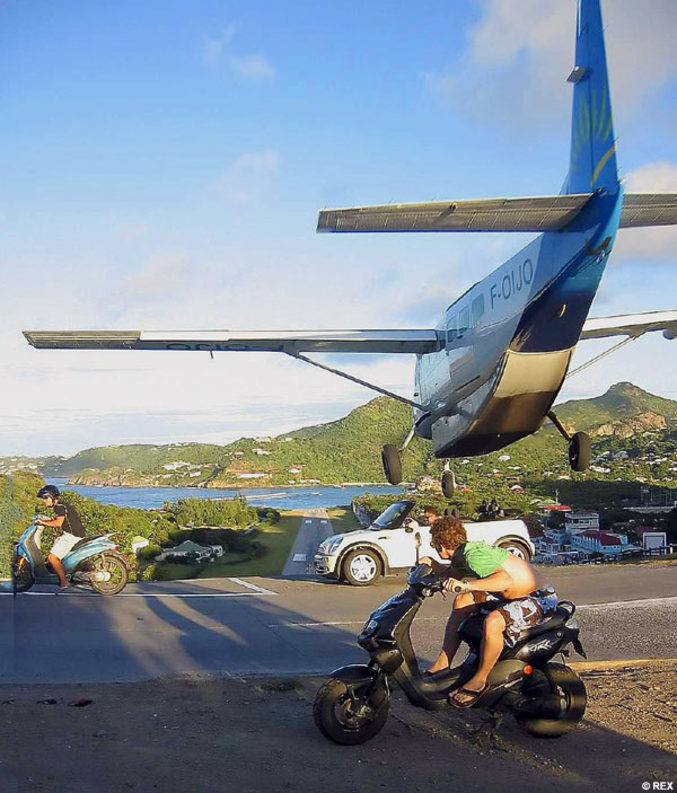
[(625, 419)]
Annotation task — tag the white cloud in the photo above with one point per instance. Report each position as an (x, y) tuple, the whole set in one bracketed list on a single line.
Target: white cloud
[(255, 66), (162, 273), (657, 242), (518, 56), (218, 51), (246, 179)]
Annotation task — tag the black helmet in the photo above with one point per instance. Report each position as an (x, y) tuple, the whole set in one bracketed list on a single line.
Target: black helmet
[(48, 490)]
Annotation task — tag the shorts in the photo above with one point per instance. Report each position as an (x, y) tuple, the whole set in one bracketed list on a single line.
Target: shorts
[(63, 544), (522, 613)]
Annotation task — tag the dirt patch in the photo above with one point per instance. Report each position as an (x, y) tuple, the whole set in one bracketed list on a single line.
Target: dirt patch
[(255, 735)]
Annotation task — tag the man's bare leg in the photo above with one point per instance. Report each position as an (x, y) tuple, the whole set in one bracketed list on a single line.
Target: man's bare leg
[(464, 605), (58, 568), (492, 646)]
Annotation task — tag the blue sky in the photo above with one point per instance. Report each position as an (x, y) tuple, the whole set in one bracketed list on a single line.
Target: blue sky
[(163, 164)]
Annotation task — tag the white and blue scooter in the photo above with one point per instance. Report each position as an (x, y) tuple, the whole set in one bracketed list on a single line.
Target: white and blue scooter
[(94, 561)]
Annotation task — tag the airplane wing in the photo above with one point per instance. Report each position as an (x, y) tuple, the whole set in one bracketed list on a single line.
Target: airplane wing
[(539, 213), (290, 341), (648, 209), (632, 325)]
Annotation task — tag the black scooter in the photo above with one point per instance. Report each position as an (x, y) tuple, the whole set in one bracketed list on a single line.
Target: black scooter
[(547, 699)]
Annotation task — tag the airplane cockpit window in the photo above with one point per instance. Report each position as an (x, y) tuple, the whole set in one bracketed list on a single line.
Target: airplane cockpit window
[(451, 329), (477, 309), (463, 321)]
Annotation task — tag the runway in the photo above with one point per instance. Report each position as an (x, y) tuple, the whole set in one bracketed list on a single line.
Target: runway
[(280, 626)]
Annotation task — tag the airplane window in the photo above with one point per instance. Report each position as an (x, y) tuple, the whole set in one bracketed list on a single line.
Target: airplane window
[(463, 321), (451, 328), (477, 309)]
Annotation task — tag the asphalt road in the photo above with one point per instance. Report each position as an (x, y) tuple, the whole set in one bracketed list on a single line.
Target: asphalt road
[(281, 626), (315, 527)]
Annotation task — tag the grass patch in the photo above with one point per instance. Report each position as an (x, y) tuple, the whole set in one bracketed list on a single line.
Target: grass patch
[(343, 520), (278, 540), (176, 572)]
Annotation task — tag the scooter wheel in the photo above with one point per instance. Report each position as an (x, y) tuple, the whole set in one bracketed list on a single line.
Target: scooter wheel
[(117, 574), (573, 699), (350, 720), (22, 575)]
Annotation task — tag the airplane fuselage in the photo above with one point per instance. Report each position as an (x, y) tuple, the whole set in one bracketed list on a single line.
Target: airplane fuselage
[(505, 345)]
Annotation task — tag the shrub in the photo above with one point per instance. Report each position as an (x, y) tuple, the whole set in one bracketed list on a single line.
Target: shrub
[(268, 514), (149, 573), (149, 552)]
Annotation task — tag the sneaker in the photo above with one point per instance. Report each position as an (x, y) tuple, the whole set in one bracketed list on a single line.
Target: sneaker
[(63, 589)]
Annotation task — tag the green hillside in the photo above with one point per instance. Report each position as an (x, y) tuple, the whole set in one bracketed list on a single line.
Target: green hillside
[(634, 440)]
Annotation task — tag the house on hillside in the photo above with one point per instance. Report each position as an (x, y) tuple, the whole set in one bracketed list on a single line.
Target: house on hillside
[(600, 542), (575, 522)]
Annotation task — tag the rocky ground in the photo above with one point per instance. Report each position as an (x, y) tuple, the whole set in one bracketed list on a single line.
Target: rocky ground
[(258, 735)]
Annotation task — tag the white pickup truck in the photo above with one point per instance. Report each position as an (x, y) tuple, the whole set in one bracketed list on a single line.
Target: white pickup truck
[(390, 542)]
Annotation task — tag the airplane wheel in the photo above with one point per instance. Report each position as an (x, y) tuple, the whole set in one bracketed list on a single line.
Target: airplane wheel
[(580, 448), (448, 484), (392, 463)]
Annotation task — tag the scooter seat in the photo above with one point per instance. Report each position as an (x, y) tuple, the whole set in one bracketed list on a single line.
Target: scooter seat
[(556, 620), (472, 629), (84, 541)]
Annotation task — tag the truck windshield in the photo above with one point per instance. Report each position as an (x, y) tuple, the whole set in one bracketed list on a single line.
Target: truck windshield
[(393, 517)]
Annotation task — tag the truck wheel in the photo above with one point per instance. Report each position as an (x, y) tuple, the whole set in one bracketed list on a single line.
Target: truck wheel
[(361, 567), (519, 549)]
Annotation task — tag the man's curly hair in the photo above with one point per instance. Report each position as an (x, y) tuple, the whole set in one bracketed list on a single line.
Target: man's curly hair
[(447, 532)]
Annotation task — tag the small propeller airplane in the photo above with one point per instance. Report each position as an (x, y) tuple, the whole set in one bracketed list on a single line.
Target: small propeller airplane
[(489, 372)]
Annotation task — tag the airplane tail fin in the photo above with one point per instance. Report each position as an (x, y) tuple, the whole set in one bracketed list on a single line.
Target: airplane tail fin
[(593, 146)]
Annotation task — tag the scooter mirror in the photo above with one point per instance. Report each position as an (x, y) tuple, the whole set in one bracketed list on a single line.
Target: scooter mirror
[(416, 574)]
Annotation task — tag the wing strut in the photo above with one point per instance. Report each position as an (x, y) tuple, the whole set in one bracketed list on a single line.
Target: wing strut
[(603, 355), (347, 376)]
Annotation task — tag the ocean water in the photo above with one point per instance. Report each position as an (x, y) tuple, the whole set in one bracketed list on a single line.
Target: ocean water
[(278, 498)]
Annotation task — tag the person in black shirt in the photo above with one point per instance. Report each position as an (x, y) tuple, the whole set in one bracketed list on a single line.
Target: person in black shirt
[(68, 520)]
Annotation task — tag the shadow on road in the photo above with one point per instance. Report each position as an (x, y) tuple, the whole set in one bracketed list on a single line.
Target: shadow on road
[(258, 736)]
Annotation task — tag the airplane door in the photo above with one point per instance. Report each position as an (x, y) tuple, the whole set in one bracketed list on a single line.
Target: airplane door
[(459, 343)]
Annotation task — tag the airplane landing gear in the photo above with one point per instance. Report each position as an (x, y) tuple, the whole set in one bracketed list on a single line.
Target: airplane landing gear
[(448, 483), (580, 445), (392, 463), (580, 448)]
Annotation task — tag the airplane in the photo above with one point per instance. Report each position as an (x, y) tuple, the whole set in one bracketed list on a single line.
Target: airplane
[(489, 372)]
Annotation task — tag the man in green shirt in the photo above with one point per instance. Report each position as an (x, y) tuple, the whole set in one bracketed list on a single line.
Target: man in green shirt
[(493, 580)]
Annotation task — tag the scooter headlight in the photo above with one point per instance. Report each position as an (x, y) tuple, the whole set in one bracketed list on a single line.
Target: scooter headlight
[(369, 627)]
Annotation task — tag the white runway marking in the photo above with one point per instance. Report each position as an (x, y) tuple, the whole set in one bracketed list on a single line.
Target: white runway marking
[(254, 587), (628, 604), (625, 604), (299, 557), (254, 591)]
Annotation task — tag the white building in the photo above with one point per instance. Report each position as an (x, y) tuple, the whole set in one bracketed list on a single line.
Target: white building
[(600, 542), (575, 522)]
